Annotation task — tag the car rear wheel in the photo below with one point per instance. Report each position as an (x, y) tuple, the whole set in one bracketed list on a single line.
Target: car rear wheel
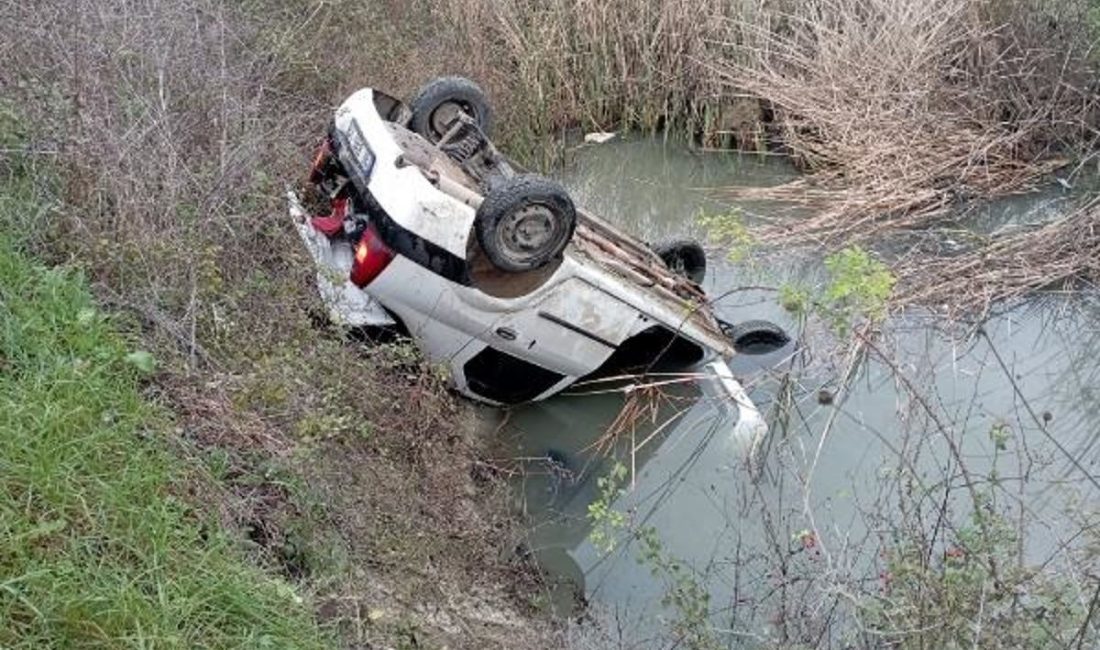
[(756, 336), (684, 257), (525, 222), (440, 101)]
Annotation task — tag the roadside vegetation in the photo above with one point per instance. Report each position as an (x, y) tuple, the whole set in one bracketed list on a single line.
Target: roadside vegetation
[(901, 113), (101, 546), (156, 140), (253, 459)]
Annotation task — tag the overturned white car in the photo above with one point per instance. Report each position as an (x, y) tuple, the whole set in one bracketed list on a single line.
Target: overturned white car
[(416, 221)]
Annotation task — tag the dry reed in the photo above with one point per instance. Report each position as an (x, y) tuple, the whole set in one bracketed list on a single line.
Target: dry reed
[(620, 64), (900, 109), (1059, 254)]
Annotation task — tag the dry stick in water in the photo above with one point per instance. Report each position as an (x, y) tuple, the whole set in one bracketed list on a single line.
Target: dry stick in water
[(944, 430), (1034, 416)]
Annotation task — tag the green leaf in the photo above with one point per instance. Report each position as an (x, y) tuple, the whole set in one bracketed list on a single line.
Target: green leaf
[(86, 317), (142, 360)]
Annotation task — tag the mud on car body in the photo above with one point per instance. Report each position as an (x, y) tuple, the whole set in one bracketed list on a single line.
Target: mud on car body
[(421, 223)]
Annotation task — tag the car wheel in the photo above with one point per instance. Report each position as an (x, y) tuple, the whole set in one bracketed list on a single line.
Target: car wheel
[(756, 336), (439, 102), (525, 222), (684, 257)]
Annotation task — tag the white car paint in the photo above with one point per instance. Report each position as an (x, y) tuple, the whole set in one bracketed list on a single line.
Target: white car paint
[(404, 192)]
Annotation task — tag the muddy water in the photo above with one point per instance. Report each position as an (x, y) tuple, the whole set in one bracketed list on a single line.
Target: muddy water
[(733, 514)]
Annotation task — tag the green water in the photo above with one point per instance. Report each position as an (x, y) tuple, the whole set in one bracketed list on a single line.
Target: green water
[(735, 523)]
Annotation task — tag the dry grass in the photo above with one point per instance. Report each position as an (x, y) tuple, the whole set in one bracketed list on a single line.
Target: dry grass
[(174, 126), (899, 109), (1059, 254), (624, 64)]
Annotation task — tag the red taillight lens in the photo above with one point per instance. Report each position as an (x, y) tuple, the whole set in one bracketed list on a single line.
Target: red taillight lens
[(371, 258)]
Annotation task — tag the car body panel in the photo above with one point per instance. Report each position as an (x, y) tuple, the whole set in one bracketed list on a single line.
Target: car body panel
[(564, 328), (403, 191), (346, 303)]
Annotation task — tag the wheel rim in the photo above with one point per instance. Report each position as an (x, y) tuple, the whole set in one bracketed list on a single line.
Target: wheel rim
[(447, 112), (528, 233)]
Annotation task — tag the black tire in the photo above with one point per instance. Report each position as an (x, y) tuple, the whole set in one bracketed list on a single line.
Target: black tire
[(756, 336), (684, 257), (525, 222), (435, 104)]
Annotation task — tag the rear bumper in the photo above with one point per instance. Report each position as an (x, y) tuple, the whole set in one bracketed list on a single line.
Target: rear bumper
[(347, 304)]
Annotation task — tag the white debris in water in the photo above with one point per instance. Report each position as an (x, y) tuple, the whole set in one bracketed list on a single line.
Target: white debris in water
[(599, 137)]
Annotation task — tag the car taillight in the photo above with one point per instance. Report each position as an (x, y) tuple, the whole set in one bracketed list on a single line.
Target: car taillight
[(372, 257)]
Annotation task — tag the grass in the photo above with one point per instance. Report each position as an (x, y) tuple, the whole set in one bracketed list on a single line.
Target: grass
[(98, 547)]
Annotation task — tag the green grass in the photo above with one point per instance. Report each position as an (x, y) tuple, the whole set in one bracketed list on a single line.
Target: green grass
[(96, 547)]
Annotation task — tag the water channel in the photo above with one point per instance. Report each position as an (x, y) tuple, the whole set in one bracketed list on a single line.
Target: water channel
[(730, 513)]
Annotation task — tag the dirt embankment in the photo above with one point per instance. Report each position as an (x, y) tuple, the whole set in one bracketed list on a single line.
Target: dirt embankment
[(169, 129)]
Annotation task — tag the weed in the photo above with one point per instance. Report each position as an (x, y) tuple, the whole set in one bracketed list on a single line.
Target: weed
[(727, 230), (999, 435), (684, 594), (858, 290), (28, 196), (97, 548), (142, 361), (859, 287), (795, 300), (607, 523), (12, 134), (936, 603)]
